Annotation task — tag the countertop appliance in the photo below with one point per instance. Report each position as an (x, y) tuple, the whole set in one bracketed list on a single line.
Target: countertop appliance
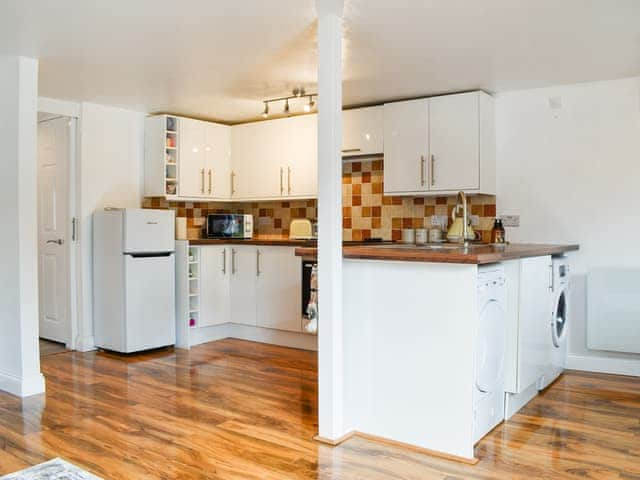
[(301, 229), (134, 279), (229, 225), (490, 356), (559, 322)]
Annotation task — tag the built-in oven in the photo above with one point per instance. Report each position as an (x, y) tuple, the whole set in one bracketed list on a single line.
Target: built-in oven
[(229, 225)]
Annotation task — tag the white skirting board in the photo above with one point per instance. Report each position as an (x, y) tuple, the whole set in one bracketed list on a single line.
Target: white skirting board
[(617, 366), (22, 387), (514, 402), (282, 338)]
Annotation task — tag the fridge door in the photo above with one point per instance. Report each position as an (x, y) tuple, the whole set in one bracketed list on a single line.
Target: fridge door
[(147, 230), (149, 302)]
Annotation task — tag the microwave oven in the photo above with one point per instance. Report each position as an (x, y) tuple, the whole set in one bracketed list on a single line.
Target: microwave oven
[(221, 225)]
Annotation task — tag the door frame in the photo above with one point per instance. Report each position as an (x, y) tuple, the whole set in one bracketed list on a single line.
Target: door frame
[(57, 108)]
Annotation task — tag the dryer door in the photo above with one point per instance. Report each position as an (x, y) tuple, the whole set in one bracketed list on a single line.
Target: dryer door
[(559, 320), (490, 351)]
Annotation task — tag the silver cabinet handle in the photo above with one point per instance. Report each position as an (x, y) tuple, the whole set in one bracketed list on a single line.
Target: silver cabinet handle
[(224, 261), (233, 261), (422, 170), (74, 229), (59, 241), (433, 169), (233, 182), (288, 180), (350, 150), (202, 181), (258, 272), (210, 181), (281, 181)]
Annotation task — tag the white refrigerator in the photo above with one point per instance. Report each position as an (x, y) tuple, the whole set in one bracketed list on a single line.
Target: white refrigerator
[(134, 279)]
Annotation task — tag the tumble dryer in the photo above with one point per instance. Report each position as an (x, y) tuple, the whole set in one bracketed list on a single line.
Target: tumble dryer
[(489, 359)]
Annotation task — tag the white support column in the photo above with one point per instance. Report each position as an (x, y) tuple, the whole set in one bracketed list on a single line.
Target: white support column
[(19, 351), (330, 349)]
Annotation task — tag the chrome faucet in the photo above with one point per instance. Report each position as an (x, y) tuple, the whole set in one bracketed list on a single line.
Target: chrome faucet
[(462, 199)]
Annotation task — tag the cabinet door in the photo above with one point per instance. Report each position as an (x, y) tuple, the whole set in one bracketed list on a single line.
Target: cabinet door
[(406, 146), (454, 138), (217, 158), (192, 165), (257, 157), (279, 289), (534, 322), (362, 131), (300, 138), (214, 286), (244, 268)]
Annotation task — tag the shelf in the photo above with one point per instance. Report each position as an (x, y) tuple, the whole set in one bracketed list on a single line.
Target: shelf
[(194, 311), (172, 132), (168, 179), (171, 164), (194, 294), (170, 148)]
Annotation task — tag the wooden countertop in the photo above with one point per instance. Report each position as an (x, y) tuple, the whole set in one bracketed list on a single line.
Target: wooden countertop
[(477, 254), (272, 241)]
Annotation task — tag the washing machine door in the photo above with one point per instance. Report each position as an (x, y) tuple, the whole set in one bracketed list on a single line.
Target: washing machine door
[(490, 351), (559, 320)]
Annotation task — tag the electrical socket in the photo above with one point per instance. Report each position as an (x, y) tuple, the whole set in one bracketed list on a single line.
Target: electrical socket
[(475, 220), (439, 220), (264, 220), (510, 220)]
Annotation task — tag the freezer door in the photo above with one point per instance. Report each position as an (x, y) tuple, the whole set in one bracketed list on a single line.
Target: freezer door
[(149, 302), (147, 230)]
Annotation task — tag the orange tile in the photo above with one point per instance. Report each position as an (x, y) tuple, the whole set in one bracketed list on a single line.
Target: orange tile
[(376, 188), (376, 165), (366, 234), (346, 222), (356, 235), (396, 235), (429, 210), (407, 223), (366, 177), (366, 212), (346, 179), (356, 200), (356, 189), (489, 211), (397, 200), (396, 222), (376, 222), (418, 222), (376, 211), (346, 211), (387, 200)]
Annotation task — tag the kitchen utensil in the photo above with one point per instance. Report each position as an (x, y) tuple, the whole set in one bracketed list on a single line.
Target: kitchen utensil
[(421, 236), (408, 235)]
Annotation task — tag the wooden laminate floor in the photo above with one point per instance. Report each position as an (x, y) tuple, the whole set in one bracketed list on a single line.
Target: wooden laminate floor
[(48, 347), (241, 410)]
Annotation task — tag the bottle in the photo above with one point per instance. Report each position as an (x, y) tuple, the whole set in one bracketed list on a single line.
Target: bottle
[(497, 233)]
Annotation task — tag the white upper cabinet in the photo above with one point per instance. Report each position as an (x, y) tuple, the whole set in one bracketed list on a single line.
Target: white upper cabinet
[(300, 163), (406, 147), (362, 131), (192, 183), (217, 161), (440, 145)]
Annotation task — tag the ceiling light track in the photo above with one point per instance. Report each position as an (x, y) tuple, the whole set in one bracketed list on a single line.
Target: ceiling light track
[(296, 94)]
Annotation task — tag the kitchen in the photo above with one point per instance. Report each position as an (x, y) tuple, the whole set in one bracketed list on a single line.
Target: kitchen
[(435, 275)]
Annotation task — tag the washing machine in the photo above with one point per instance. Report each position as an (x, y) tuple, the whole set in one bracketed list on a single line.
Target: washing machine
[(559, 321), (490, 351)]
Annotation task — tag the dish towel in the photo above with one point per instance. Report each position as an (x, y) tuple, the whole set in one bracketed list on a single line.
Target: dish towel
[(311, 324)]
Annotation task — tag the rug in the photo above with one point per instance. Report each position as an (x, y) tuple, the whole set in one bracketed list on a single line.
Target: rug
[(55, 469)]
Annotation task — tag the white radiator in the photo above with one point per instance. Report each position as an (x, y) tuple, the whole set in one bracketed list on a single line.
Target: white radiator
[(613, 310)]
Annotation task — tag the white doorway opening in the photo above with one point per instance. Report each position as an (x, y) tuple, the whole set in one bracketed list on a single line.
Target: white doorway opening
[(57, 228)]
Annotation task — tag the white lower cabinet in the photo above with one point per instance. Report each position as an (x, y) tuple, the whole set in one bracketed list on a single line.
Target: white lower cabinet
[(214, 286), (244, 284), (279, 287)]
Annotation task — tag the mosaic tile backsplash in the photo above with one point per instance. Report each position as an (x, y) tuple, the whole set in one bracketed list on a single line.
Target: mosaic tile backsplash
[(367, 212)]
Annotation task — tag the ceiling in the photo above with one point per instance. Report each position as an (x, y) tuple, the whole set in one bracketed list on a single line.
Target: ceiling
[(217, 59)]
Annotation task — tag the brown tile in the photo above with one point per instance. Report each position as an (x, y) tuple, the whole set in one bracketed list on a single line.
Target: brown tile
[(366, 212), (407, 223), (418, 222), (311, 203), (285, 204), (429, 210), (356, 235), (477, 210), (262, 212), (376, 188), (182, 212), (277, 223), (376, 211), (346, 211), (189, 212), (356, 200), (387, 200), (376, 222), (441, 200), (366, 234), (489, 210), (396, 235), (397, 200), (396, 222), (376, 165), (356, 189), (366, 177), (418, 201), (356, 167), (346, 222)]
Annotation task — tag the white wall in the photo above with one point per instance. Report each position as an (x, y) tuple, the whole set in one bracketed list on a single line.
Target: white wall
[(19, 352), (111, 159), (573, 174)]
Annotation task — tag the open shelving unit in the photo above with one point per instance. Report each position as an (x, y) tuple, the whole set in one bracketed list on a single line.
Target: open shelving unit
[(171, 160), (188, 269)]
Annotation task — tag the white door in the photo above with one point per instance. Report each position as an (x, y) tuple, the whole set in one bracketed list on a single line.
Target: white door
[(192, 182), (406, 146), (279, 289), (301, 157), (362, 131), (243, 284), (454, 142), (53, 202), (217, 158), (214, 285)]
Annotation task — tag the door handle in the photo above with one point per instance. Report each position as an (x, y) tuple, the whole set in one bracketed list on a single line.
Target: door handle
[(288, 180), (74, 229), (281, 181), (202, 183), (258, 263), (210, 181), (351, 150), (233, 182), (58, 241), (422, 170), (224, 261), (233, 261), (433, 169)]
